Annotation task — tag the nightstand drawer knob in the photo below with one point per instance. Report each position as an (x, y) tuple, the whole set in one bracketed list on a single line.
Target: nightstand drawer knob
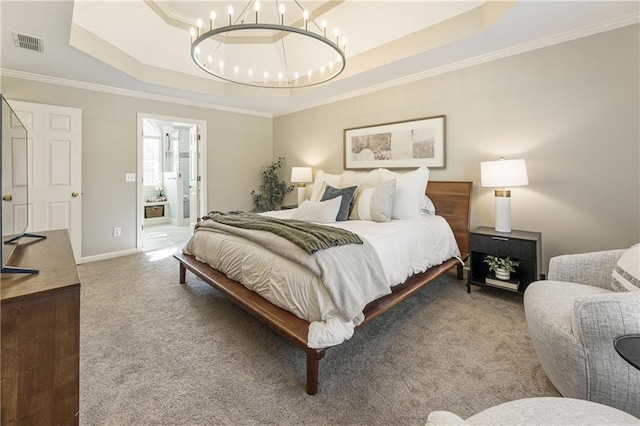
[(500, 238)]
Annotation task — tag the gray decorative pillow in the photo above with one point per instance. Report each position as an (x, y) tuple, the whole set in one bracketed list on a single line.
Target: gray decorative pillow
[(347, 197), (374, 202), (626, 274)]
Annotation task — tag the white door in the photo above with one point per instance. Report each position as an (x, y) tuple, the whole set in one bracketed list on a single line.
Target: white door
[(15, 175), (194, 176), (55, 136)]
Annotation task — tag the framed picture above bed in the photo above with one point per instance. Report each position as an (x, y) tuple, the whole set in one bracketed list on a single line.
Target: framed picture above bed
[(399, 145)]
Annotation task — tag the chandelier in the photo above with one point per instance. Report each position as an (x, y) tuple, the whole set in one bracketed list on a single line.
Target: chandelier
[(272, 54)]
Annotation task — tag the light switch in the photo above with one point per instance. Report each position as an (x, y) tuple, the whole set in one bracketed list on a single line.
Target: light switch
[(129, 177)]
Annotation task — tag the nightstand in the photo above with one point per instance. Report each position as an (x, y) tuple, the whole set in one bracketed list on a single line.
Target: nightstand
[(523, 246)]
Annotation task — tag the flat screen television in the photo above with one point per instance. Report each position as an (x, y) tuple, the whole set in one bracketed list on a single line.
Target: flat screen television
[(14, 209)]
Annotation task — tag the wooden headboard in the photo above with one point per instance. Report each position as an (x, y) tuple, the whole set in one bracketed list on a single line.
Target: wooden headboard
[(453, 202)]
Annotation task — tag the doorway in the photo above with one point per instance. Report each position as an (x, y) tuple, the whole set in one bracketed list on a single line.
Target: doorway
[(171, 192)]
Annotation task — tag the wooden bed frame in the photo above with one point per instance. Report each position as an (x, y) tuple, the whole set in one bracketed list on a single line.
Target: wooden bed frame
[(452, 201)]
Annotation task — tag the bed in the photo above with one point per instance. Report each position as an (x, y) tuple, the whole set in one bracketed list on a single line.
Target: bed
[(452, 201)]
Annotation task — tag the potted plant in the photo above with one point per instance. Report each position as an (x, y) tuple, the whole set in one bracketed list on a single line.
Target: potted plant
[(273, 189), (501, 266)]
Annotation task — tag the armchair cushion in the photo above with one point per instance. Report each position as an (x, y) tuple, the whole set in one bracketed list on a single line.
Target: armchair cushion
[(626, 274), (538, 411)]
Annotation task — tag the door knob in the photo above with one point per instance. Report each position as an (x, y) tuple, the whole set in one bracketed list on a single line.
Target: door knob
[(74, 194), (7, 197)]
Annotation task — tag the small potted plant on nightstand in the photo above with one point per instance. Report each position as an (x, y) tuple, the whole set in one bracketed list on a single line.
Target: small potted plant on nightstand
[(501, 266)]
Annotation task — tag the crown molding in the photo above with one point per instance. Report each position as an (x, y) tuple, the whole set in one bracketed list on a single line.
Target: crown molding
[(126, 92), (612, 24)]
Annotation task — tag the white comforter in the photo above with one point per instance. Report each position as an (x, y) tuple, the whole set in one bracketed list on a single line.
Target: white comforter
[(404, 248)]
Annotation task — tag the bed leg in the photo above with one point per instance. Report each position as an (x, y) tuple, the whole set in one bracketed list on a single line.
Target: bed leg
[(183, 273), (313, 365), (460, 270)]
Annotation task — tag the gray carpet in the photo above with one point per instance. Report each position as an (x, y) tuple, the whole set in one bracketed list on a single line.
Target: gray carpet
[(155, 352)]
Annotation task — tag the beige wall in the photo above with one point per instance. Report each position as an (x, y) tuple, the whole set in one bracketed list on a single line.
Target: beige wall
[(571, 110), (238, 146)]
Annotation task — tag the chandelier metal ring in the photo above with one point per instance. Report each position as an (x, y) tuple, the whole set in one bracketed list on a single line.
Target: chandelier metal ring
[(286, 79), (290, 82)]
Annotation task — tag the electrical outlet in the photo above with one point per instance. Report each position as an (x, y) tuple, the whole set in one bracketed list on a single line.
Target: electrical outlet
[(117, 231), (129, 177)]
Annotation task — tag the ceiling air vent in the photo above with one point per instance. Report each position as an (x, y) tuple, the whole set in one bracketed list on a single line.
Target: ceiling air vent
[(28, 42)]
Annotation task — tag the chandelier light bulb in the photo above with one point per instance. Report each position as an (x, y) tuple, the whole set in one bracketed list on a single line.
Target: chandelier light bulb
[(324, 27), (256, 6), (212, 17), (236, 70), (192, 31), (209, 59), (309, 74), (266, 77), (280, 78), (295, 77), (230, 10), (331, 66), (221, 65), (282, 9), (322, 71), (250, 76), (199, 25), (336, 33), (305, 16)]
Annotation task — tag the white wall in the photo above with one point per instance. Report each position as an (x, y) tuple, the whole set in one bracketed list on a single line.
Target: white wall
[(238, 146), (571, 110)]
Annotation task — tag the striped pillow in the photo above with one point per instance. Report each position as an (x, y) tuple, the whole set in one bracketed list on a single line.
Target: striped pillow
[(626, 274), (374, 202)]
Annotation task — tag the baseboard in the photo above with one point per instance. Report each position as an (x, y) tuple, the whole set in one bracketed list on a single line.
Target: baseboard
[(105, 256)]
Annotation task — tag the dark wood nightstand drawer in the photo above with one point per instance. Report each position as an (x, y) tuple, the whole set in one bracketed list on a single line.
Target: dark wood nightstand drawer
[(504, 246)]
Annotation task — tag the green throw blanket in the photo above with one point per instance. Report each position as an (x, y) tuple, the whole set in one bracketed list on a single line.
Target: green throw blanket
[(310, 237)]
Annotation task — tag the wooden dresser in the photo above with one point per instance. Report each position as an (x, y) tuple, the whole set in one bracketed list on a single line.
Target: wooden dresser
[(40, 334)]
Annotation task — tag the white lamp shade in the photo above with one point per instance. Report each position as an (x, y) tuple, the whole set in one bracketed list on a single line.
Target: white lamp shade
[(301, 174), (503, 173)]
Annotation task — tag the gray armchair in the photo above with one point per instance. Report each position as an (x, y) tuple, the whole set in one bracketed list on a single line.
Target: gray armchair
[(573, 318)]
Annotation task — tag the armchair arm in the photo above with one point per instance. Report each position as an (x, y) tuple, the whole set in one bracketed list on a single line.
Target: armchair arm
[(596, 321), (592, 269)]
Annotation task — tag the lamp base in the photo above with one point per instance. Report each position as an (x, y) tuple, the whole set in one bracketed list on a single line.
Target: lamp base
[(503, 211), (302, 195)]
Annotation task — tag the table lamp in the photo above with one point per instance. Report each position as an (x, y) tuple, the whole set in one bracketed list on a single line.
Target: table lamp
[(502, 174), (301, 176)]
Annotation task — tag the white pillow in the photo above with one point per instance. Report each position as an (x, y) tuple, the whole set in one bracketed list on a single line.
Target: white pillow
[(427, 206), (410, 188), (318, 211), (320, 182), (626, 274)]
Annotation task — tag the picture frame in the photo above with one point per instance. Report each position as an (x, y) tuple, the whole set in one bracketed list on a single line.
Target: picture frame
[(397, 145)]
